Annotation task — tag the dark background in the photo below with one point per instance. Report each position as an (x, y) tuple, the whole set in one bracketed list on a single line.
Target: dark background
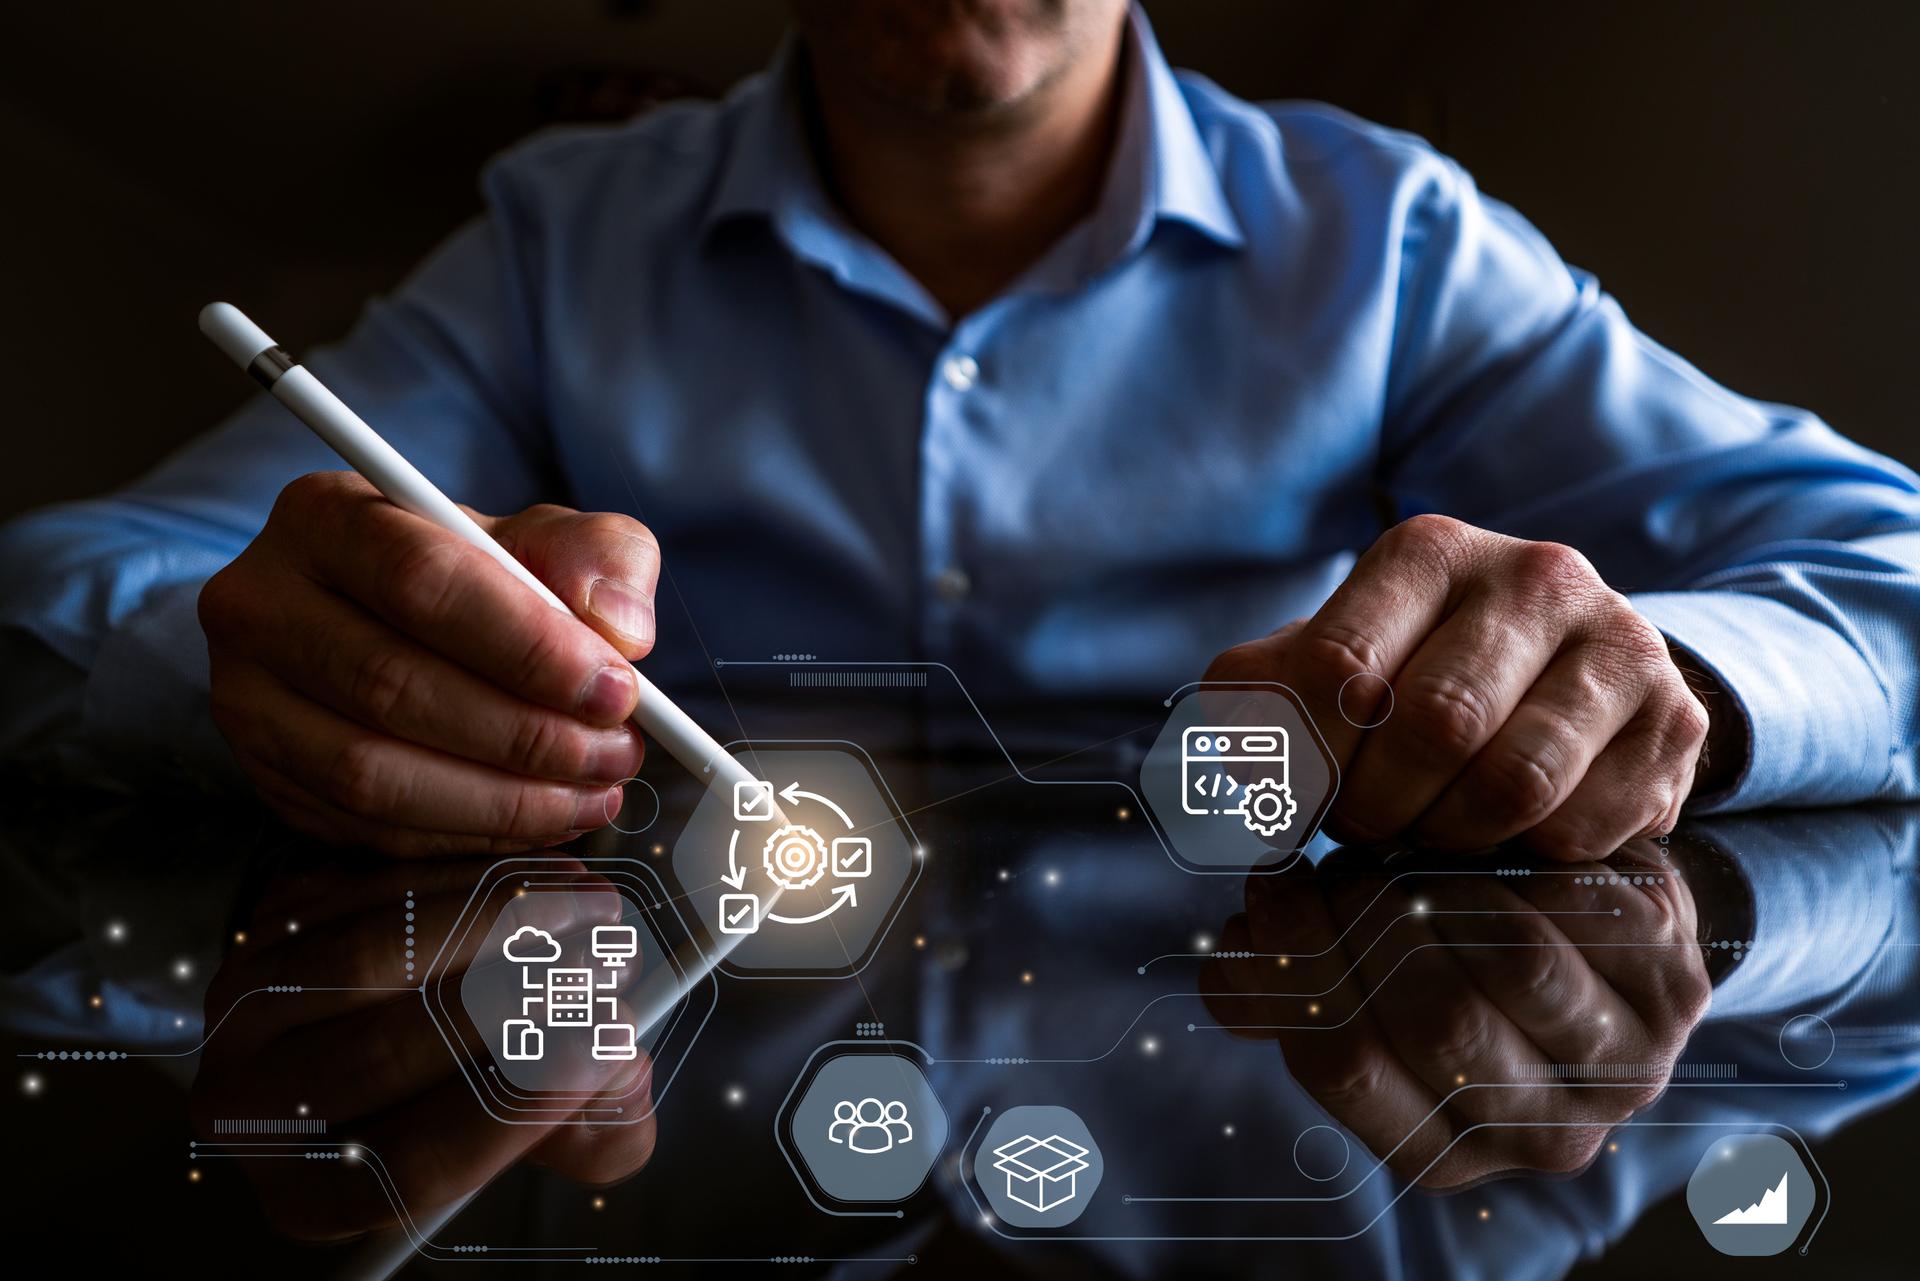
[(1742, 175)]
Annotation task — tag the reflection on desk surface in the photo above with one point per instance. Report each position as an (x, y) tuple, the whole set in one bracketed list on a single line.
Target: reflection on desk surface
[(1379, 1063)]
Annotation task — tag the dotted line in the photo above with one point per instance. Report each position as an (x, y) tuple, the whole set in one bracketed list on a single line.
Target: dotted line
[(869, 1029), (409, 934), (81, 1054)]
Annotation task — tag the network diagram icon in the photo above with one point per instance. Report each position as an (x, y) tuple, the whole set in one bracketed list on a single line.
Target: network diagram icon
[(568, 996)]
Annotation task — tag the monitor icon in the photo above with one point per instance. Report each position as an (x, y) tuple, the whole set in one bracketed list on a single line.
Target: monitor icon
[(614, 944)]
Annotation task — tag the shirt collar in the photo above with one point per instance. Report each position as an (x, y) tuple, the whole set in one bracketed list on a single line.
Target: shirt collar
[(1161, 170)]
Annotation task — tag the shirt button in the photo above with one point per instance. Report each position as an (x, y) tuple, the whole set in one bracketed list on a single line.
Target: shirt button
[(961, 372), (952, 583)]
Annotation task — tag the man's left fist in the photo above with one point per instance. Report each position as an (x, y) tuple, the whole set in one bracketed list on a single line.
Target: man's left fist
[(1528, 698)]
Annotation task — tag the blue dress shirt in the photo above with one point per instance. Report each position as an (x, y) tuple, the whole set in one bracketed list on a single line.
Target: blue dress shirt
[(1279, 329)]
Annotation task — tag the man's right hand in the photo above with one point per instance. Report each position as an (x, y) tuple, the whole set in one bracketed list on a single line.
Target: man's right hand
[(384, 683)]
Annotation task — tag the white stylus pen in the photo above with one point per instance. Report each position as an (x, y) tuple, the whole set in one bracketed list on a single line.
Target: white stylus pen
[(364, 450)]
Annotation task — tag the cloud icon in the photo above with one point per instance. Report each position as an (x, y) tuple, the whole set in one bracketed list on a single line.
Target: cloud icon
[(531, 946)]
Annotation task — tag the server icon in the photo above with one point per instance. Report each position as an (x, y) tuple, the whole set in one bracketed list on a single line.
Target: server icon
[(1238, 771), (569, 997)]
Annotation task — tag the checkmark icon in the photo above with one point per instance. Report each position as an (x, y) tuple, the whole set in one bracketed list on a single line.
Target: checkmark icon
[(739, 913), (753, 801), (852, 856)]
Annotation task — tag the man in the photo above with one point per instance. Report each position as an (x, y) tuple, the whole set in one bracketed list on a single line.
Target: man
[(973, 334)]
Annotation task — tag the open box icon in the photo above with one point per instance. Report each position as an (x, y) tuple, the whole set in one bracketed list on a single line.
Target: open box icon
[(1041, 1173)]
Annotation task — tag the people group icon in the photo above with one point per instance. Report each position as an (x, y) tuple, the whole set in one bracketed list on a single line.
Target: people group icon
[(870, 1126)]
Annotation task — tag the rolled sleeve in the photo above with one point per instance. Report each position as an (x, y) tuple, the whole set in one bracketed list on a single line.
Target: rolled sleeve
[(1818, 720)]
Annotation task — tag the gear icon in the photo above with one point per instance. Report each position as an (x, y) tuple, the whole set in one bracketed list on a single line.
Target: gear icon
[(1268, 806), (795, 856)]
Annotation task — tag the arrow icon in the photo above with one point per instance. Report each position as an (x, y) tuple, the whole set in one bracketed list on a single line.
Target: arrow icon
[(841, 894), (736, 875), (791, 794)]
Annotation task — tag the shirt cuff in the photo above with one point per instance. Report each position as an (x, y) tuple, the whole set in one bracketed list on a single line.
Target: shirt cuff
[(1819, 730)]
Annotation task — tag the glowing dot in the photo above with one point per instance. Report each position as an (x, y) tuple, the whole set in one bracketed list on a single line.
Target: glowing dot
[(1606, 1018), (95, 1001), (1313, 1007), (239, 937), (1123, 813), (1485, 1214), (351, 1154), (117, 931), (735, 1096), (1283, 961), (1052, 877), (300, 1110), (1203, 943), (31, 1084), (599, 1203), (1459, 1078), (1227, 1129), (659, 849), (1026, 976), (183, 968), (193, 1176), (520, 893), (179, 1020), (1613, 1147), (920, 940), (293, 927), (1005, 874), (986, 1220), (1419, 905), (1150, 1045)]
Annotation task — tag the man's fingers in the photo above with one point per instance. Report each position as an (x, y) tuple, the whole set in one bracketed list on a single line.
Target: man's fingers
[(604, 566), (333, 651), (1374, 621), (1538, 757), (1450, 699), (1397, 593), (1633, 788), (454, 599), (387, 781)]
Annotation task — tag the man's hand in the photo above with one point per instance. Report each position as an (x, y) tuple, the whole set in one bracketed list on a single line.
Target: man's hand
[(384, 683), (1432, 1013), (1528, 698)]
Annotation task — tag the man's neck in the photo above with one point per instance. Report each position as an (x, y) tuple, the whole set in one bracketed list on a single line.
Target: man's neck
[(967, 203)]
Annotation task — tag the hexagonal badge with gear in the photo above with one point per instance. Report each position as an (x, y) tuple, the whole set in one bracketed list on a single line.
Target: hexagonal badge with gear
[(1239, 777), (799, 872), (865, 1125)]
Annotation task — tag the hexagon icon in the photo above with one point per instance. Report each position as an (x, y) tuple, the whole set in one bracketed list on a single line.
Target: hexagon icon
[(800, 873), (868, 1127), (1750, 1194), (567, 982), (1239, 777), (568, 991), (1038, 1166)]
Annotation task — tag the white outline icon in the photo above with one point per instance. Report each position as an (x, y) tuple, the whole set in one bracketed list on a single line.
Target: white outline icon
[(1208, 782), (1064, 1159)]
